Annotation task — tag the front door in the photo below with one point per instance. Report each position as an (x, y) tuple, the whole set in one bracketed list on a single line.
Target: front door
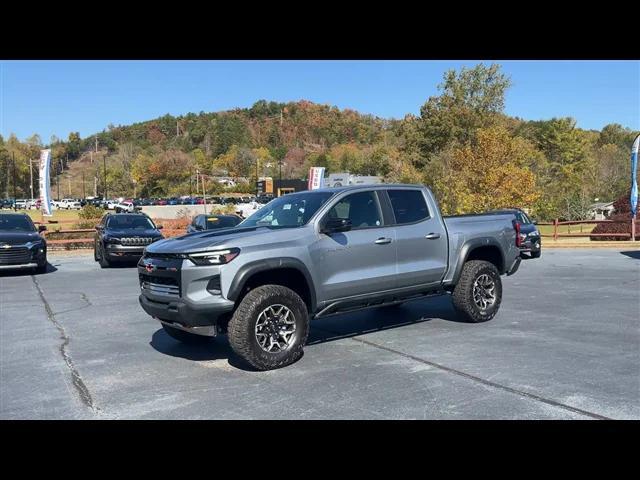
[(361, 260)]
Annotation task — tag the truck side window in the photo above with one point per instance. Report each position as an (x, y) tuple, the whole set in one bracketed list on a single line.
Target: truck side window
[(409, 206), (361, 208)]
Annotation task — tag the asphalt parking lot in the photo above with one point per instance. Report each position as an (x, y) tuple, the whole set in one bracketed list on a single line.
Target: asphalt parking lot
[(565, 345)]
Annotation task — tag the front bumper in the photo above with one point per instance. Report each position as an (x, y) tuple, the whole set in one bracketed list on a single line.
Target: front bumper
[(122, 252), (185, 315), (182, 295), (18, 267), (531, 244)]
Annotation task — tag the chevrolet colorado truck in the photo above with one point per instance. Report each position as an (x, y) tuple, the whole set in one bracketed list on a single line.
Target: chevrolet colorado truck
[(318, 253)]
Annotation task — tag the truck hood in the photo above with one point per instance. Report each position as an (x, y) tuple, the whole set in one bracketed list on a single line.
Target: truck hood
[(18, 238), (118, 233), (231, 237)]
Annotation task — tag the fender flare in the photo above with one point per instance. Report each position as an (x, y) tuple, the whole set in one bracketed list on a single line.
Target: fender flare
[(471, 245), (245, 272)]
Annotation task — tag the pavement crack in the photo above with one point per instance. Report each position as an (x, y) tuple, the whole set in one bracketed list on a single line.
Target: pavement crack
[(76, 379), (474, 378), (87, 304)]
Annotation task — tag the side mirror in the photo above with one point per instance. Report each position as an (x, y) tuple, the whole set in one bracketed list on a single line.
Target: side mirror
[(159, 227), (198, 227), (42, 228), (334, 225), (535, 222), (98, 228)]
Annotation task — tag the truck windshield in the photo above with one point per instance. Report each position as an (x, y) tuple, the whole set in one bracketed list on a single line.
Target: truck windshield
[(16, 223), (292, 210)]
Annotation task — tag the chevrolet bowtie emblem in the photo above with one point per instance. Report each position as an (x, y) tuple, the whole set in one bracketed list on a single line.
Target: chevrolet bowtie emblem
[(5, 245)]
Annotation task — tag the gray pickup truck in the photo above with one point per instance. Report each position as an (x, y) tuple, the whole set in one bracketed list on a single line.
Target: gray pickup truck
[(322, 252)]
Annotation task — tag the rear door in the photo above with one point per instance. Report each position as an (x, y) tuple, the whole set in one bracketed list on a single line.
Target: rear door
[(421, 238), (361, 260)]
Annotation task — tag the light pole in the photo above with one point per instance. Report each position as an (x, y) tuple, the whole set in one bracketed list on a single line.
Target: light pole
[(15, 202)]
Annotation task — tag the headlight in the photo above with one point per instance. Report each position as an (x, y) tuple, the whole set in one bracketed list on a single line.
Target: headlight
[(535, 233), (219, 257), (108, 239)]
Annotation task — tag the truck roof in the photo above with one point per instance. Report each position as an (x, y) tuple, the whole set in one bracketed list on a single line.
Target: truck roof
[(371, 185)]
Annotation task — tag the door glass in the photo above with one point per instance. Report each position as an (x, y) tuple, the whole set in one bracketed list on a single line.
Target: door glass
[(361, 208), (409, 206)]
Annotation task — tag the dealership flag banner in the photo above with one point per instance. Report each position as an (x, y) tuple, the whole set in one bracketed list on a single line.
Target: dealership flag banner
[(316, 178), (634, 176), (45, 189)]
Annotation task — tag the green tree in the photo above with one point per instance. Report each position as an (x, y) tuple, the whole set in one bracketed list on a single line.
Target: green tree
[(469, 99)]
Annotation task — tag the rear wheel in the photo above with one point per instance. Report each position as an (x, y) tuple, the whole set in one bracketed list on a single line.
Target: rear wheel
[(270, 327), (185, 337), (478, 294)]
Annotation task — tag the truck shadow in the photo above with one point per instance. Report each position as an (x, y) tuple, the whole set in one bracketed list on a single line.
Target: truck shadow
[(325, 330), (632, 254)]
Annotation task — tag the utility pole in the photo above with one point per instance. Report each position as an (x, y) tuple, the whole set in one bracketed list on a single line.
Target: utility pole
[(104, 162), (84, 193), (58, 184), (69, 181), (96, 144), (95, 185), (31, 176), (257, 177), (15, 198)]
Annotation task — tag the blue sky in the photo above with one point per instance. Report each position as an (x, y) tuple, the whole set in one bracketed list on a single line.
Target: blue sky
[(57, 97)]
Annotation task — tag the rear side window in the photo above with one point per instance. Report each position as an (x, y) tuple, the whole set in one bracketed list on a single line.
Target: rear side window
[(409, 206)]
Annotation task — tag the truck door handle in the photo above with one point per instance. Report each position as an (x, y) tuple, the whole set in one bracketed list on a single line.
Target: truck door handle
[(382, 241), (432, 236)]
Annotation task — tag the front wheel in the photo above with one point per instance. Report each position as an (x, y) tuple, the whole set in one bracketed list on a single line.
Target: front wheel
[(104, 261), (478, 294), (270, 327)]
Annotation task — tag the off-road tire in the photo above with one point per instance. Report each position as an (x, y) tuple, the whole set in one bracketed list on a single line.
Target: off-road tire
[(241, 330), (536, 254), (186, 337), (463, 292)]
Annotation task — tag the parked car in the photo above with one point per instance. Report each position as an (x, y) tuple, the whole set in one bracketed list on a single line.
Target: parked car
[(123, 236), (530, 238), (212, 222), (21, 245), (316, 253), (126, 206)]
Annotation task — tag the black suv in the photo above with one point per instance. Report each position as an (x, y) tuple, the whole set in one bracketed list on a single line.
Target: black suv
[(123, 237), (21, 246), (212, 222), (530, 239)]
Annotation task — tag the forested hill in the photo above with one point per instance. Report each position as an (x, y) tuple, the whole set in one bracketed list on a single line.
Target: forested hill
[(277, 126), (461, 144)]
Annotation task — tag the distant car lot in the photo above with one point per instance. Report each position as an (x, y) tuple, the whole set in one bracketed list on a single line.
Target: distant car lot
[(565, 344)]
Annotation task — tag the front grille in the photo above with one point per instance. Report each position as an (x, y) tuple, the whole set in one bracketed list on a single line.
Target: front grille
[(135, 241), (161, 285), (15, 255), (164, 256)]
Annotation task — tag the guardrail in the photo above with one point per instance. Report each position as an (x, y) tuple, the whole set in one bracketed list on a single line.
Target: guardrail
[(86, 242), (555, 235)]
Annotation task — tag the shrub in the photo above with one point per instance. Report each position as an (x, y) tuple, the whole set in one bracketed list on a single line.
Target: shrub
[(90, 212), (622, 213)]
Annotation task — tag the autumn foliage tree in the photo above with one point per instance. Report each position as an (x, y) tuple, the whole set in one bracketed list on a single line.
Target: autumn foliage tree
[(491, 172)]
